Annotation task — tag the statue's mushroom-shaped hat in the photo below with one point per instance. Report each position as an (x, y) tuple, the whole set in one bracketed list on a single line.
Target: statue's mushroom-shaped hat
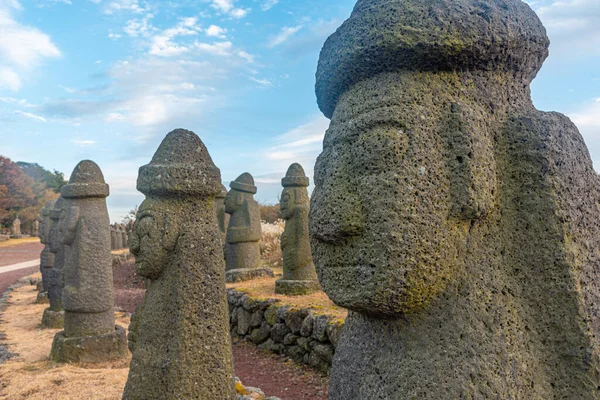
[(244, 183), (430, 35), (181, 166), (86, 181), (295, 176)]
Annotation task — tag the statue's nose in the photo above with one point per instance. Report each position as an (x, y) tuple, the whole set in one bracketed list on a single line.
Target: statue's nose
[(335, 215)]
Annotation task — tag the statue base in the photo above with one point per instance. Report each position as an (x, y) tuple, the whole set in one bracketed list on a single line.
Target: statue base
[(53, 319), (246, 274), (90, 349), (42, 298), (296, 288), (39, 286)]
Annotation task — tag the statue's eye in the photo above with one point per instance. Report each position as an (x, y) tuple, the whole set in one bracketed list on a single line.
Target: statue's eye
[(144, 226), (285, 197), (380, 149)]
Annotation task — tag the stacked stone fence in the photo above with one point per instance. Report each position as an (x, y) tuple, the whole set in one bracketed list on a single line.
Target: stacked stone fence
[(306, 335)]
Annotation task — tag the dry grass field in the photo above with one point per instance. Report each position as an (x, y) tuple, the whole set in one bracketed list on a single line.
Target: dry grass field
[(16, 242), (31, 375)]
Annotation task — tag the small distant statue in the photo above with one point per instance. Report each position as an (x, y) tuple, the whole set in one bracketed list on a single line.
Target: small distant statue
[(299, 275), (244, 232)]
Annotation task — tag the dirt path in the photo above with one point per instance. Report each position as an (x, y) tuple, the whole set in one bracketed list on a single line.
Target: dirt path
[(17, 251)]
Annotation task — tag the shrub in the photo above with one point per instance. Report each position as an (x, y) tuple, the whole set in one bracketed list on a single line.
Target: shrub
[(270, 244)]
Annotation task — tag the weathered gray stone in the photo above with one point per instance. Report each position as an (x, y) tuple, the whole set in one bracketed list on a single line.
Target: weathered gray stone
[(294, 319), (299, 275), (458, 224), (271, 314), (54, 315), (35, 228), (256, 318), (179, 333), (222, 217), (325, 351), (113, 238), (46, 257), (319, 330), (15, 229), (246, 274), (90, 334), (307, 326), (296, 353), (244, 230), (123, 237), (304, 342), (279, 331), (290, 339), (334, 330), (243, 321), (261, 334), (270, 345)]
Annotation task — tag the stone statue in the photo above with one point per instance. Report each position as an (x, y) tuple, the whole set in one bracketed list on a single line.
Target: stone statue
[(46, 257), (457, 223), (244, 232), (299, 276), (179, 334), (118, 237), (15, 229), (54, 315), (222, 216), (90, 334), (123, 236), (113, 237), (35, 228)]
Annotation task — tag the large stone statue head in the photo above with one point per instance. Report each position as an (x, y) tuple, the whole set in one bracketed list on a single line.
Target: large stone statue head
[(294, 191), (157, 228), (408, 166), (242, 190), (456, 222)]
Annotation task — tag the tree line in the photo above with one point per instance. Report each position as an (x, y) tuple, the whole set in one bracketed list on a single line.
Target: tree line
[(24, 190)]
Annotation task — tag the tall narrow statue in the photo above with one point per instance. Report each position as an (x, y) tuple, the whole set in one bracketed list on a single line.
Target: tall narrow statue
[(15, 229), (222, 216), (46, 257), (244, 232), (54, 315), (179, 334), (458, 224), (89, 334), (299, 276)]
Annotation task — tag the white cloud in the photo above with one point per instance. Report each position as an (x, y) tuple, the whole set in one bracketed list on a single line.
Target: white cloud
[(228, 7), (83, 143), (589, 117), (123, 5), (248, 57), (9, 79), (30, 115), (301, 144), (163, 44), (22, 48), (572, 25), (262, 82), (113, 36), (216, 31), (138, 27), (285, 33), (218, 48), (268, 4)]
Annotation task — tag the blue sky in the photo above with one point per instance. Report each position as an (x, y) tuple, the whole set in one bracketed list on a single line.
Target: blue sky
[(107, 79)]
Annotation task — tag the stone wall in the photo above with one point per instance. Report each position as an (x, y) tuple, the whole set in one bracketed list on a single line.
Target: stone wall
[(305, 335)]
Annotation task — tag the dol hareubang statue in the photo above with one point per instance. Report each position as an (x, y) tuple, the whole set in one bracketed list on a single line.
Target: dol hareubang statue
[(299, 276), (458, 224), (90, 333), (179, 334), (244, 232)]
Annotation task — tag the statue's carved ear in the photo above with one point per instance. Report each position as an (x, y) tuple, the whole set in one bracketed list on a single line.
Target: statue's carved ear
[(70, 225), (471, 163), (170, 233)]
